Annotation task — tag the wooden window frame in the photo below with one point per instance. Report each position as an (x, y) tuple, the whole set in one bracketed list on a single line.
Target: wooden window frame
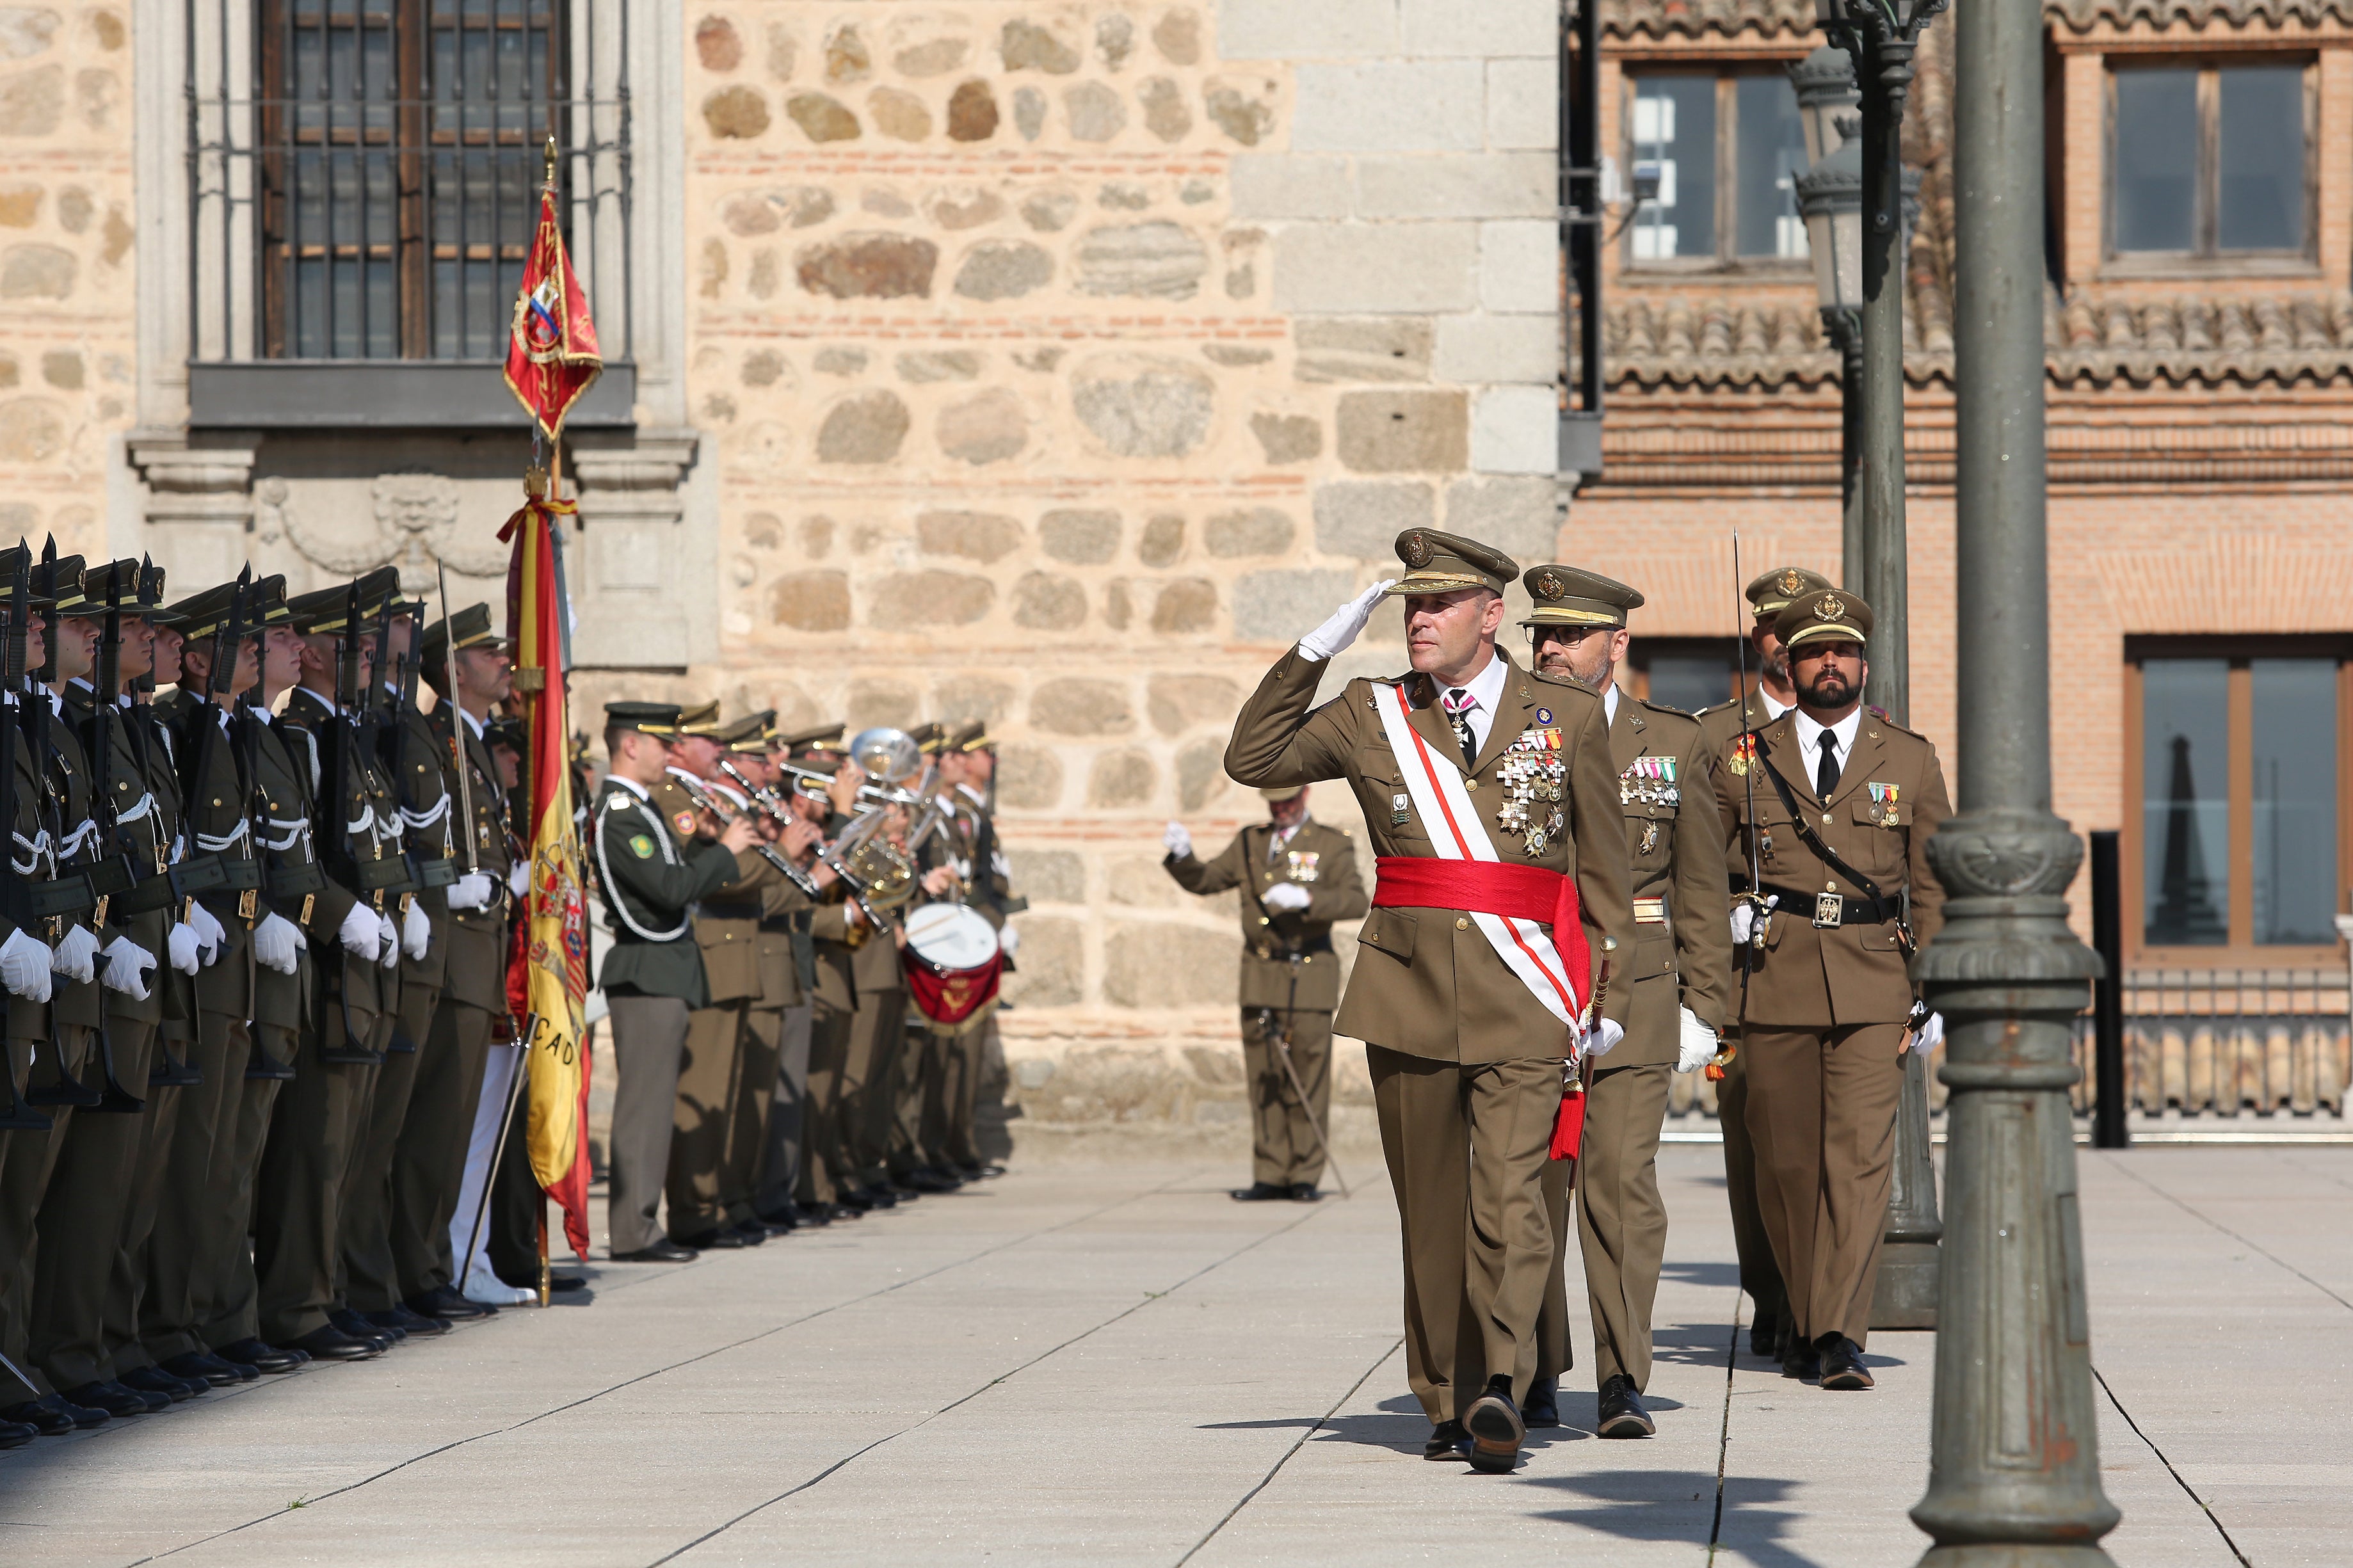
[(2208, 255), (1635, 675), (2241, 952), (1726, 259)]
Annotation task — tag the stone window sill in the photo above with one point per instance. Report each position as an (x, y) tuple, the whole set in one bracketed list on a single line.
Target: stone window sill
[(378, 394)]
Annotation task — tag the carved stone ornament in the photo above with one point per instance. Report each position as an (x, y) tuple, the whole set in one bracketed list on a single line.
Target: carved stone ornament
[(413, 523), (1983, 857)]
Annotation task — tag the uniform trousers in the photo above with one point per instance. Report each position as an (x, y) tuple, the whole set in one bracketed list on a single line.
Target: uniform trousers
[(28, 1161), (1622, 1224), (649, 1046), (1759, 1274), (194, 1230), (960, 1090), (787, 1129), (517, 1207), (228, 1308), (1284, 1150), (709, 1070), (81, 1214), (1821, 1112), (747, 1117), (920, 1065), (372, 1272), (126, 1282), (826, 1173), (429, 1161), (1466, 1144), (947, 1097), (992, 1118), (868, 1078), (306, 1158)]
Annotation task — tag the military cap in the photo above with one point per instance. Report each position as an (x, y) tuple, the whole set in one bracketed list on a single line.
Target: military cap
[(322, 611), (1570, 596), (1284, 792), (661, 718), (13, 557), (1824, 614), (699, 720), (929, 739), (1772, 591), (971, 735), (66, 593), (815, 736), (748, 736), (1442, 562), (505, 733), (470, 625), (265, 603), (207, 614), (151, 594), (125, 582)]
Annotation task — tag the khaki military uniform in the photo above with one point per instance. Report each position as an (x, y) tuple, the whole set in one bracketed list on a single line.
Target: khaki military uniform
[(1682, 958), (1828, 995), (24, 1154), (1298, 999), (1466, 1062)]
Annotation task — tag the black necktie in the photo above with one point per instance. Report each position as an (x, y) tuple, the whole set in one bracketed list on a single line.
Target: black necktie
[(1826, 771)]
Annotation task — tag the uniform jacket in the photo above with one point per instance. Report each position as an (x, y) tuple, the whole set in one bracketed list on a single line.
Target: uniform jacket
[(282, 810), (727, 921), (1683, 941), (212, 795), (1430, 984), (308, 730), (1321, 860), (151, 742), (26, 1020), (69, 779), (476, 972), (140, 839), (651, 876), (413, 760), (1889, 800)]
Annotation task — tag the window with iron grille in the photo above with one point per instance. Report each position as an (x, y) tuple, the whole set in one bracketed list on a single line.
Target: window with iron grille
[(364, 175)]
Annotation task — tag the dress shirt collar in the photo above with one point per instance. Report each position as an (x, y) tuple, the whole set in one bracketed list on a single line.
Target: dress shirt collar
[(1609, 704), (1809, 735), (632, 785)]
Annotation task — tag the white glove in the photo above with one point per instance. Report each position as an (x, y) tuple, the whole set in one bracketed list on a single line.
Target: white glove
[(1334, 636), (415, 931), (127, 964), (1176, 841), (1285, 897), (519, 878), (183, 945), (73, 957), (1603, 1038), (210, 935), (1931, 1034), (361, 933), (277, 944), (1696, 1041), (1744, 917), (388, 938), (1009, 941), (24, 965), (471, 891)]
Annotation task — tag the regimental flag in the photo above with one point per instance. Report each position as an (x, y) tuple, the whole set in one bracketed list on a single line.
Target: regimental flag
[(552, 356), (548, 978)]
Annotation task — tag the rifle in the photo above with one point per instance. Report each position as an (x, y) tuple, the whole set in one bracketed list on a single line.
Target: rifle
[(167, 1071), (343, 734), (465, 831), (112, 873), (17, 1115), (1752, 897), (66, 892), (441, 869)]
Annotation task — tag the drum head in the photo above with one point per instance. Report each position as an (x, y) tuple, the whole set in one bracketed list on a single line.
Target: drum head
[(951, 936)]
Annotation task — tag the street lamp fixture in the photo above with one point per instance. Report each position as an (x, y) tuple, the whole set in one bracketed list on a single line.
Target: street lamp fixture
[(1827, 98), (1830, 199)]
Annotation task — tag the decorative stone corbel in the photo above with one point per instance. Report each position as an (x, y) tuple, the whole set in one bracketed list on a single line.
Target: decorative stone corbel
[(199, 499)]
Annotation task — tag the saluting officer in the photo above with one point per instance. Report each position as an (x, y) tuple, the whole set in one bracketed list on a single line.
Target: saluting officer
[(1298, 877), (1490, 804), (1843, 806), (649, 872), (1767, 595), (1677, 981)]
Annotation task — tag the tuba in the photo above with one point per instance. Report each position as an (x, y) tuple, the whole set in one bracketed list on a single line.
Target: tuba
[(882, 874)]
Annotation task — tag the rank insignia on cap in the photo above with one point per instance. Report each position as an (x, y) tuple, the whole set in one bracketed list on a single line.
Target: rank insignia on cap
[(641, 847), (1415, 550), (1828, 607), (1793, 582)]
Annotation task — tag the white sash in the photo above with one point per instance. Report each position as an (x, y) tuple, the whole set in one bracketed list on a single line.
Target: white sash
[(1456, 832)]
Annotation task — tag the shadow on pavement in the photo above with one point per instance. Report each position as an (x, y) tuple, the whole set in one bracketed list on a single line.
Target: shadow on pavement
[(1674, 1505)]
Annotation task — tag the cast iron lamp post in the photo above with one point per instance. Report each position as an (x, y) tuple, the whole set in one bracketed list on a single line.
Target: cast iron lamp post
[(1830, 199), (2014, 1476)]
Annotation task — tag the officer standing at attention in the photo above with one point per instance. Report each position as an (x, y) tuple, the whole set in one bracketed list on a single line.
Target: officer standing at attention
[(1298, 877), (1490, 800), (649, 874), (1844, 802), (1678, 996), (1768, 596)]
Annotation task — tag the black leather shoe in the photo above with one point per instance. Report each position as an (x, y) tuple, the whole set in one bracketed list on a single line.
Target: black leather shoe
[(155, 1380), (559, 1283), (1801, 1360), (932, 1179), (1304, 1193), (1621, 1413), (1841, 1364), (812, 1215), (359, 1328), (1260, 1192), (753, 1233), (661, 1249), (1496, 1430), (443, 1302), (873, 1198), (402, 1320), (78, 1417), (262, 1356), (784, 1216), (849, 1203), (330, 1343), (1447, 1441), (17, 1434), (116, 1400), (197, 1366), (714, 1241), (45, 1417), (237, 1369), (903, 1189), (1541, 1406), (1765, 1336)]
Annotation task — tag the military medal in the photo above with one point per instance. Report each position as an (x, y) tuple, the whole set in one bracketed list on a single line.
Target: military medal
[(1744, 750), (1400, 809), (1303, 865), (1883, 796), (1649, 838), (1532, 775)]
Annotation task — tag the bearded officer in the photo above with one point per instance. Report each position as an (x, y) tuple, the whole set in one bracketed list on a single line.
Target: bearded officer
[(1488, 797), (1298, 877), (1678, 987), (1767, 595), (1844, 803)]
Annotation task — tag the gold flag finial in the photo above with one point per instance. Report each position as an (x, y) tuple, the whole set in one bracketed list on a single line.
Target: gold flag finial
[(551, 162)]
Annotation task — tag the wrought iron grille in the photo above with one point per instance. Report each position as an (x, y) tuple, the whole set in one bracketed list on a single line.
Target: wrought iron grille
[(364, 175)]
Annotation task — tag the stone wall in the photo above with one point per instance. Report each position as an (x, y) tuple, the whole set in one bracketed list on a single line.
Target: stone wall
[(67, 300), (1059, 365)]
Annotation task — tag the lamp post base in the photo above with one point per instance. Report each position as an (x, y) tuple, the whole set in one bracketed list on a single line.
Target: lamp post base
[(1905, 1296), (2008, 1556)]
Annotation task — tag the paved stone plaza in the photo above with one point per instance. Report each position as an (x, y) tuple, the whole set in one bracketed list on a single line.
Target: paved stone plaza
[(1110, 1362)]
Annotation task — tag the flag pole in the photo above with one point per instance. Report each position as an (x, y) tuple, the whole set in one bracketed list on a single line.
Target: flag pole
[(555, 440)]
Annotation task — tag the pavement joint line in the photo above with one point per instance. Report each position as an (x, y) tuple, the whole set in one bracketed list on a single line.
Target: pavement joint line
[(689, 1361), (1001, 1378), (2179, 1479), (2208, 1220), (1268, 1479), (1723, 1436), (2304, 1170)]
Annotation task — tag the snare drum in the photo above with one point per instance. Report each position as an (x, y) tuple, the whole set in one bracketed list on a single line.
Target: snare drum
[(953, 962)]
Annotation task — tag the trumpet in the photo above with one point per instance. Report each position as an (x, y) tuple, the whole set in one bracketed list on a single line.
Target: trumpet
[(705, 801)]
